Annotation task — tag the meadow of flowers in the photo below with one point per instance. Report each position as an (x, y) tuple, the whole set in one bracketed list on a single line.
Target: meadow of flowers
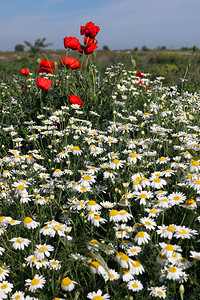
[(100, 183)]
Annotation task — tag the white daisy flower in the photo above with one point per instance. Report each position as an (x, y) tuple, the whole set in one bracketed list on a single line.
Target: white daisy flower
[(124, 260), (158, 291), (96, 220), (57, 173), (6, 287), (142, 237), (98, 295), (148, 223), (96, 268), (114, 215), (3, 273), (19, 243), (29, 223), (87, 180), (116, 164), (136, 268), (135, 285), (168, 249), (166, 231), (54, 264), (133, 250), (36, 283), (111, 275), (18, 296), (43, 250), (126, 275)]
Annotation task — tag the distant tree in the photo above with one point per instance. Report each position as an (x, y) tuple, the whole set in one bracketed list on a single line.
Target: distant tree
[(38, 45), (161, 48), (135, 49), (105, 47), (144, 48), (19, 47)]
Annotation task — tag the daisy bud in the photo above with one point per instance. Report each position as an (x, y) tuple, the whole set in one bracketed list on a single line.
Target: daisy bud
[(38, 61), (23, 265), (181, 291)]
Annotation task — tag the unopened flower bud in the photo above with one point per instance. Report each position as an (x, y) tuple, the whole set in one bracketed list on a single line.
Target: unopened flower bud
[(181, 289)]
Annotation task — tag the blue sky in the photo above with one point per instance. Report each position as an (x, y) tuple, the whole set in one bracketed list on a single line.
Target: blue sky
[(125, 24)]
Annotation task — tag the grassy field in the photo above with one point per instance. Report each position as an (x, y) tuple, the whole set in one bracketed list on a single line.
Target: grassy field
[(171, 64), (100, 177)]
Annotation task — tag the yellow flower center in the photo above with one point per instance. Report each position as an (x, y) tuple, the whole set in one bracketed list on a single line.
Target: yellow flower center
[(97, 217), (162, 158), (157, 180), (132, 155), (98, 298), (66, 281), (34, 281), (170, 228), (153, 211), (20, 187), (195, 163), (86, 177), (172, 270), (92, 202), (94, 265), (76, 148), (4, 286), (133, 250), (124, 257), (28, 220), (116, 161), (136, 264), (189, 202), (42, 249), (140, 234), (113, 213), (177, 198), (182, 231), (19, 240), (143, 196), (83, 188), (135, 285), (170, 248), (147, 223)]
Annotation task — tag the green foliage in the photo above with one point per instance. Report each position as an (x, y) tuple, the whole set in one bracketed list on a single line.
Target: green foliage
[(37, 46), (145, 48), (116, 106), (105, 47), (19, 48)]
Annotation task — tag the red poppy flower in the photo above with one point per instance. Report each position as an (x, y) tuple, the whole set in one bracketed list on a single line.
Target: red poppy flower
[(73, 99), (4, 75), (43, 83), (25, 71), (88, 49), (71, 63), (139, 74), (71, 42), (88, 41), (46, 66), (90, 30)]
